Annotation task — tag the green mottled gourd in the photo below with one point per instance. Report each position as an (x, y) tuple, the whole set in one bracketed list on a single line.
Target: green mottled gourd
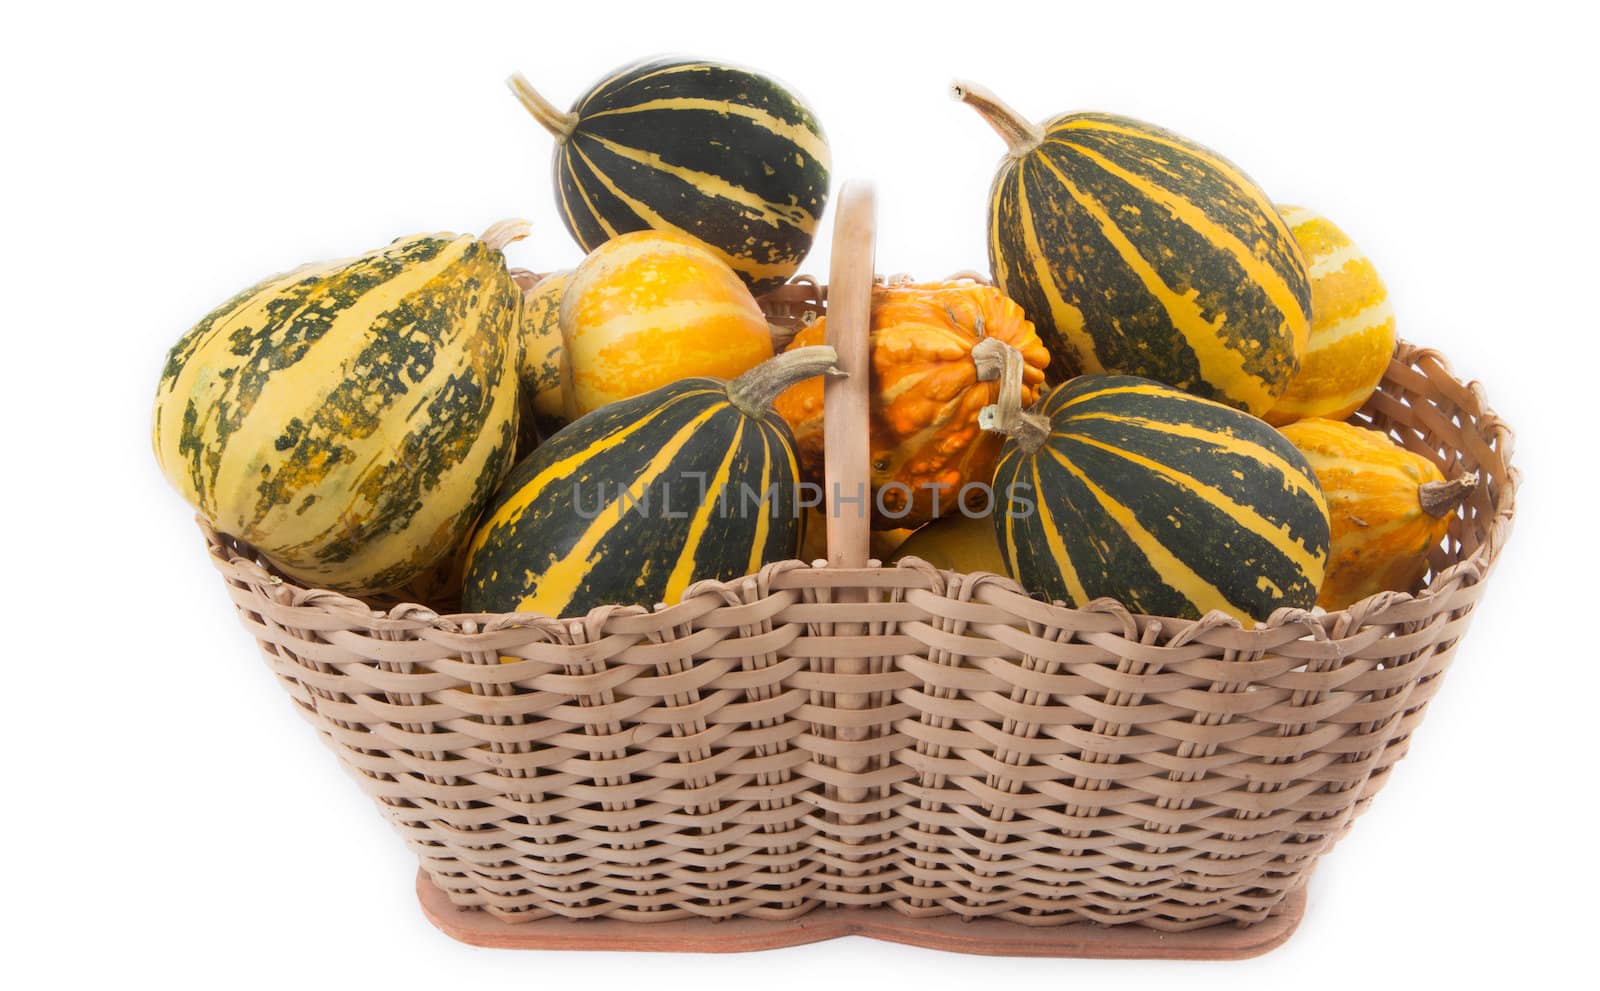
[(350, 419), (1120, 487), (713, 151), (1136, 251), (633, 502)]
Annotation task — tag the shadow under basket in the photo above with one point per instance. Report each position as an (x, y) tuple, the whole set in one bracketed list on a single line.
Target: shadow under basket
[(818, 750)]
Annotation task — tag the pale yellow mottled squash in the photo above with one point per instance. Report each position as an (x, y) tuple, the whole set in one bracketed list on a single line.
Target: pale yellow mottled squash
[(543, 409)]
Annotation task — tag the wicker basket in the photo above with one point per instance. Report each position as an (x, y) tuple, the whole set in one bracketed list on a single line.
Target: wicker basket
[(928, 743)]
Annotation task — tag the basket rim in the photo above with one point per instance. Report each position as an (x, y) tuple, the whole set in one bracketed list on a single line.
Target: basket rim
[(1285, 624)]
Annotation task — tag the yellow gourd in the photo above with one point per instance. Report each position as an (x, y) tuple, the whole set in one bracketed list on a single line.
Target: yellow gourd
[(1388, 507), (543, 408), (1352, 325), (650, 308), (957, 542)]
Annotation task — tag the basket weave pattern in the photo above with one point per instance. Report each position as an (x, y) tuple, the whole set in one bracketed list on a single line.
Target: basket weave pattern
[(994, 756)]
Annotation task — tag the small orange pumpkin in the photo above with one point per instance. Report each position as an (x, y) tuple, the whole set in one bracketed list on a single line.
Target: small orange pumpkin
[(649, 308), (1388, 507), (926, 394)]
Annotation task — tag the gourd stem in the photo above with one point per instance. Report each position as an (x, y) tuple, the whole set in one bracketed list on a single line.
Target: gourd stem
[(503, 232), (556, 121), (1021, 134), (1443, 498), (754, 391), (994, 359)]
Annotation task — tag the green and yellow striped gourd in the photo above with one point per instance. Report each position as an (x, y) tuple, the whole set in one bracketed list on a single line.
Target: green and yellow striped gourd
[(350, 419), (633, 502), (542, 404), (1172, 504), (714, 151), (1138, 252)]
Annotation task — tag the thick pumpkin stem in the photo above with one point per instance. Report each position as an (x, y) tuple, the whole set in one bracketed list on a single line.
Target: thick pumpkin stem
[(558, 122), (1443, 498), (754, 391), (995, 359), (1021, 134), (503, 232)]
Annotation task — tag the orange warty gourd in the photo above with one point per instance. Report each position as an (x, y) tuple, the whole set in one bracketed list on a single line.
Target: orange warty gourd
[(649, 308), (1388, 506), (926, 394), (1352, 325)]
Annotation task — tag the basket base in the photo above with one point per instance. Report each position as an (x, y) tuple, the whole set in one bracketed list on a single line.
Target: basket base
[(989, 937)]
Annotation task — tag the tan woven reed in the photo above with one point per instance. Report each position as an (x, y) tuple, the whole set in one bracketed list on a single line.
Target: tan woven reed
[(973, 751)]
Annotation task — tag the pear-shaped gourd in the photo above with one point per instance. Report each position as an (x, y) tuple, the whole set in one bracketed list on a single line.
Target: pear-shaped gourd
[(350, 419), (1138, 252)]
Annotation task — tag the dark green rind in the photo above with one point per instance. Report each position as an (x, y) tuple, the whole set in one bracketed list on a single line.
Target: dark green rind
[(734, 149), (1202, 536), (637, 543), (1130, 328)]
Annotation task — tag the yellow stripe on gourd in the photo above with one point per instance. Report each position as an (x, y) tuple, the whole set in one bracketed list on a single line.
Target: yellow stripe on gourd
[(683, 569), (1052, 538), (1067, 318), (800, 136), (530, 491), (1233, 445), (588, 204), (1176, 574), (758, 546), (558, 581), (316, 374), (1220, 363), (1226, 169), (325, 366), (1267, 276), (712, 185), (1243, 515), (653, 220)]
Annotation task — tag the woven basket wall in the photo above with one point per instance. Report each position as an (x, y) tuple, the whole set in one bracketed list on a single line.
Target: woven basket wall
[(948, 745)]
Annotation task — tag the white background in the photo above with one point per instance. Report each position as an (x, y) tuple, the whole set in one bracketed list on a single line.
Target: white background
[(167, 815)]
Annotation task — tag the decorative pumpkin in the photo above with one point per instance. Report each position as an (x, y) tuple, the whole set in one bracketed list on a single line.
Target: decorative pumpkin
[(1139, 252), (632, 503), (1352, 325), (349, 419), (955, 542), (926, 393), (543, 406), (650, 308), (714, 151), (1389, 508), (1174, 505)]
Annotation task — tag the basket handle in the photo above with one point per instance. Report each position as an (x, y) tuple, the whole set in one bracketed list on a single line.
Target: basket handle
[(847, 450)]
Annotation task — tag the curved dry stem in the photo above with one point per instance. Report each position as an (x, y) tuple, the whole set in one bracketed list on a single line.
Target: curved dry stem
[(1443, 498), (503, 232), (754, 391), (556, 121), (1021, 134), (995, 359)]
